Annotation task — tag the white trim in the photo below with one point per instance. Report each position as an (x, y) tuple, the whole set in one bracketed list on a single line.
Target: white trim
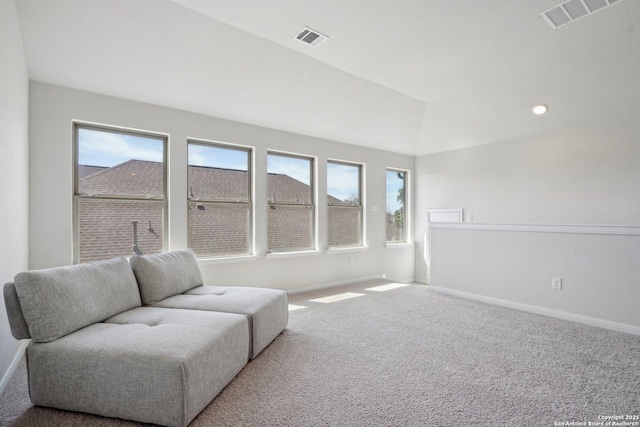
[(617, 230), (76, 125), (13, 365), (277, 255), (409, 281), (390, 245), (408, 202), (458, 212), (363, 193), (347, 162), (124, 129), (334, 284), (251, 150), (252, 182), (209, 142), (592, 321), (363, 204), (314, 184), (227, 260), (345, 249)]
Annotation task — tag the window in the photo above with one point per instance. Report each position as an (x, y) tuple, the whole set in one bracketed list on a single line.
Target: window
[(396, 205), (119, 193), (344, 200), (290, 198), (219, 199)]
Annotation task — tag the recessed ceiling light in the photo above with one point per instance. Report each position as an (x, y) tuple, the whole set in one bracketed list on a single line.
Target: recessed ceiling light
[(540, 109)]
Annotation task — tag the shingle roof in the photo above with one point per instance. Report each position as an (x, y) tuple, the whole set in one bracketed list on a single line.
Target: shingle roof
[(217, 184), (144, 178), (284, 189), (85, 171), (131, 178), (106, 227)]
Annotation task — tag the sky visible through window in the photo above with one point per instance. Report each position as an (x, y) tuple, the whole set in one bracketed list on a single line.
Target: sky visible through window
[(343, 181), (218, 157), (106, 149), (296, 167)]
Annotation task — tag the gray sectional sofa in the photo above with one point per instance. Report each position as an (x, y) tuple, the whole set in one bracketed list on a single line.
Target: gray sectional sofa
[(142, 340)]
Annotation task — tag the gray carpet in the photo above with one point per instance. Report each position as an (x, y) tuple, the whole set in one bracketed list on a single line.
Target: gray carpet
[(410, 357)]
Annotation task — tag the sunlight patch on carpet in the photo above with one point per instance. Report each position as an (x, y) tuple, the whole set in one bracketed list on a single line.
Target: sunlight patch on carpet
[(293, 307), (390, 286), (337, 297)]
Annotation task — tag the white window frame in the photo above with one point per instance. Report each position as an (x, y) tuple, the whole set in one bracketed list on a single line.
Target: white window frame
[(77, 196), (362, 205), (251, 243), (313, 206), (407, 208)]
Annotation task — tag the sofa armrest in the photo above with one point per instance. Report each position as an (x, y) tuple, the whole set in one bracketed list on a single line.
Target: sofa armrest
[(19, 328)]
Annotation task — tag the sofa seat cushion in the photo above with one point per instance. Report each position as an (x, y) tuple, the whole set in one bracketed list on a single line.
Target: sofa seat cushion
[(163, 275), (61, 300), (266, 309), (149, 364)]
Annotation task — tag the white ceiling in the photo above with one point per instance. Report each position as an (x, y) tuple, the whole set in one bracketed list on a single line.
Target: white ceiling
[(410, 76)]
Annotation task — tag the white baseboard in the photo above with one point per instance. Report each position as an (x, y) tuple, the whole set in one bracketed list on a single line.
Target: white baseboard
[(592, 321), (13, 365), (333, 284), (407, 281)]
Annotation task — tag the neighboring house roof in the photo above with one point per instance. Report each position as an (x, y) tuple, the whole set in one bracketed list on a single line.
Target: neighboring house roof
[(144, 178), (85, 171), (132, 178), (284, 189), (106, 227), (218, 184)]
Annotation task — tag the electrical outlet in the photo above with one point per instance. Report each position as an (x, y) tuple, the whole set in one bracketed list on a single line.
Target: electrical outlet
[(556, 283), (351, 260)]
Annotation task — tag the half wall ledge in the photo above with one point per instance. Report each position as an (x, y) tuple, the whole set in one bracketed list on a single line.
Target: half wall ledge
[(614, 230)]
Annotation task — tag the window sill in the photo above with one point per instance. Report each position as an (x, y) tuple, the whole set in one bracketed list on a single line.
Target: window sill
[(346, 249), (399, 245), (227, 259), (278, 255)]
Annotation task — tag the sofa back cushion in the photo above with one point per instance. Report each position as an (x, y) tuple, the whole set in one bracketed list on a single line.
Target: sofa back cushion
[(61, 300), (163, 275)]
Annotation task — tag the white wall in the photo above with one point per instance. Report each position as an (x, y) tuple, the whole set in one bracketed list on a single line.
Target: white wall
[(52, 109), (600, 273), (586, 176), (14, 165)]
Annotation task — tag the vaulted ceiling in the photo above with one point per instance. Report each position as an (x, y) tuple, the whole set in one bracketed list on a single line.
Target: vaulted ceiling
[(410, 76)]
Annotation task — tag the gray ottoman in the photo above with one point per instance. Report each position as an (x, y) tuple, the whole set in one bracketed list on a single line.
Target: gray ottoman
[(266, 309), (174, 280)]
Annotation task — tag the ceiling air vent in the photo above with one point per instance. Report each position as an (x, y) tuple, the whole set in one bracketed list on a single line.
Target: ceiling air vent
[(310, 37), (572, 10)]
